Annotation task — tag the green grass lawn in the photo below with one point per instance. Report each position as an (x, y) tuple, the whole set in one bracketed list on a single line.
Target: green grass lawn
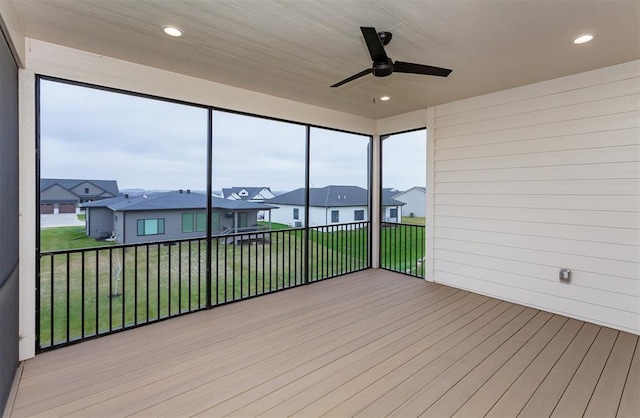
[(412, 220), (274, 225), (402, 248), (67, 238)]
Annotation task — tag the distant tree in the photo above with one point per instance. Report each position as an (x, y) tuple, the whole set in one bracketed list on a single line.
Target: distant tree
[(116, 271)]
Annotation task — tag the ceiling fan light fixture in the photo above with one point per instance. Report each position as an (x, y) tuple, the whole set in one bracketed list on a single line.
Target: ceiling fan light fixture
[(385, 98), (172, 31), (584, 38)]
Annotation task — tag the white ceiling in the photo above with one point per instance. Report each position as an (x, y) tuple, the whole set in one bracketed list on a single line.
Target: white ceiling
[(297, 49)]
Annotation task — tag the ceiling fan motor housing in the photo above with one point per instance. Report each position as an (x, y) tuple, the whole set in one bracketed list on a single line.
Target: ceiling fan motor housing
[(382, 69)]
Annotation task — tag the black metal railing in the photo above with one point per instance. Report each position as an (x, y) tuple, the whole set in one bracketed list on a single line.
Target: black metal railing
[(402, 248), (335, 250), (89, 292)]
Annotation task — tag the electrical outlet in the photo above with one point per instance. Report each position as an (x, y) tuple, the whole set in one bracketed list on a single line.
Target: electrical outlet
[(565, 275)]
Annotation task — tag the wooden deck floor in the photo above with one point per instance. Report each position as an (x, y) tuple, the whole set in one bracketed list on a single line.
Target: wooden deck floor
[(371, 344)]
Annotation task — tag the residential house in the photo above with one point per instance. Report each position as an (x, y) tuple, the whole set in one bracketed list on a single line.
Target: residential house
[(390, 213), (415, 201), (168, 216), (251, 194), (330, 205), (66, 195)]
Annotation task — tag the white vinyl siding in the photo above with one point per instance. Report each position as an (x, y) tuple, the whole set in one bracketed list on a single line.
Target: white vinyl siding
[(318, 216), (538, 178)]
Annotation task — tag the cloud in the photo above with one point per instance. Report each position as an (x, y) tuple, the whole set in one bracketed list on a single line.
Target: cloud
[(154, 144), (404, 160)]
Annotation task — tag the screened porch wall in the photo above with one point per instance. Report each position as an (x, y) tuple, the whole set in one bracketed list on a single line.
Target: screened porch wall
[(538, 178)]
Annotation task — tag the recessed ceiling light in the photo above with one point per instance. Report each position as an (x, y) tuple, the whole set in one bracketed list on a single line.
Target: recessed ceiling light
[(583, 38), (385, 98), (172, 31)]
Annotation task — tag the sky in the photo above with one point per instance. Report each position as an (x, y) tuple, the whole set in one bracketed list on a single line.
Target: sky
[(156, 145)]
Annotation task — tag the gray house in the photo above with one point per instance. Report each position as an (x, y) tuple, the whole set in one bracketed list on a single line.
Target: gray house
[(166, 216), (65, 195), (330, 205), (415, 200)]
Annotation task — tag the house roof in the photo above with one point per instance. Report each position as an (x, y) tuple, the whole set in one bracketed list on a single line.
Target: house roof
[(330, 196), (252, 192), (389, 192), (110, 186), (422, 189), (172, 200)]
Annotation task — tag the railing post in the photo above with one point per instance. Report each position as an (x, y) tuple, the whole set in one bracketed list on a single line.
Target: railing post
[(209, 209), (306, 205), (376, 200), (38, 256)]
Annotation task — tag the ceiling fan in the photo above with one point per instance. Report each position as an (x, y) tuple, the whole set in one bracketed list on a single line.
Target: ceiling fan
[(383, 65)]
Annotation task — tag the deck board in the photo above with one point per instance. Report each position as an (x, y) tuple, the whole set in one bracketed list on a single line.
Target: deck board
[(552, 384), (326, 379), (513, 380), (407, 377), (500, 346), (606, 396), (371, 343), (630, 402), (498, 366), (289, 354), (576, 397)]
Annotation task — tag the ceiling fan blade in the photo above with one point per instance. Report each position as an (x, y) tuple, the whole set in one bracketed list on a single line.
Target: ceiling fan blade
[(408, 67), (353, 77), (374, 44)]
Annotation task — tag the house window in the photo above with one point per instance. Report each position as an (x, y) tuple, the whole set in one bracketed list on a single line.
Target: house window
[(296, 213), (86, 190), (200, 224), (358, 215), (393, 213), (335, 216), (150, 226), (201, 221), (187, 222), (242, 220), (215, 221)]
